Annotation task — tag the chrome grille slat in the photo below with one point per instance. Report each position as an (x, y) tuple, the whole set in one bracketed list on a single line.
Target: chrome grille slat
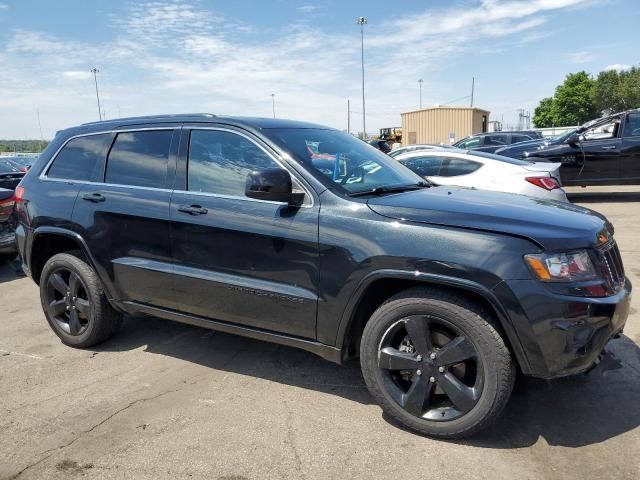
[(612, 267)]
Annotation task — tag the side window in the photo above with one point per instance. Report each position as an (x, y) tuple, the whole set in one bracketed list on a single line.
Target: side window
[(452, 167), (427, 166), (471, 143), (495, 140), (139, 158), (601, 132), (79, 158), (517, 138), (632, 126), (219, 162)]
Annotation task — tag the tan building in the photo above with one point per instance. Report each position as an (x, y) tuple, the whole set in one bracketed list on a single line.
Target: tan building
[(441, 124)]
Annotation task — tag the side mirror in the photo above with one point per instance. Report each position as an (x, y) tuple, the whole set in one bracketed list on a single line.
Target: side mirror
[(272, 184), (573, 139)]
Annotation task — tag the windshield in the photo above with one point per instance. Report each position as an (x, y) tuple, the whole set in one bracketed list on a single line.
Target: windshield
[(342, 159), (561, 137), (500, 158)]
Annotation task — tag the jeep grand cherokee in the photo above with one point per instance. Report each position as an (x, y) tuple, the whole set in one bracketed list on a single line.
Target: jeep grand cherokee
[(306, 236)]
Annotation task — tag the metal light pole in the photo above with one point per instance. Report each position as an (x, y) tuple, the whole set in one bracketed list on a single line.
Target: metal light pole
[(273, 104), (362, 21), (420, 81), (95, 79)]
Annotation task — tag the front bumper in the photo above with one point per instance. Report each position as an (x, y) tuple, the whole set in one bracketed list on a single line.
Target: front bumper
[(561, 335)]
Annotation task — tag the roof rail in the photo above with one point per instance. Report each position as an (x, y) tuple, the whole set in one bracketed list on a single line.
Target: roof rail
[(153, 117)]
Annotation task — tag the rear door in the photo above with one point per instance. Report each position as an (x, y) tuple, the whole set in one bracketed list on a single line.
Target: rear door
[(124, 215), (630, 149), (237, 259)]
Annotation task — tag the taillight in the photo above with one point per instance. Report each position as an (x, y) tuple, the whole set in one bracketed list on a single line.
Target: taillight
[(18, 194), (548, 183)]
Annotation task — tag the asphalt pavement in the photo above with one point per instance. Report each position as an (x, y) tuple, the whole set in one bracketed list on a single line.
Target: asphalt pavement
[(165, 400)]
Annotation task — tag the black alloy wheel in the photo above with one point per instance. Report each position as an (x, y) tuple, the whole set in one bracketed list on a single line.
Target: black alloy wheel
[(75, 303), (67, 301), (430, 368), (436, 363)]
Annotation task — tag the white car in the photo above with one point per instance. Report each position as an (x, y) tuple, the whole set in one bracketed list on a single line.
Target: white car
[(486, 171), (420, 146)]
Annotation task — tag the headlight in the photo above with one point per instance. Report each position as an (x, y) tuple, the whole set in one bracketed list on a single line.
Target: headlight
[(562, 267)]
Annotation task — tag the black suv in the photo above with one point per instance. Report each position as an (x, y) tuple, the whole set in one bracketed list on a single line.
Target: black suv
[(492, 141), (605, 151), (306, 236)]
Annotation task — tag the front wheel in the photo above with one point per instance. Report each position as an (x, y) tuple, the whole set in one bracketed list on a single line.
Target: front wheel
[(436, 363)]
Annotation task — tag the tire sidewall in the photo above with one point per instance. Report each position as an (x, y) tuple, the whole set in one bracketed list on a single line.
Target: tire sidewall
[(75, 265), (392, 312)]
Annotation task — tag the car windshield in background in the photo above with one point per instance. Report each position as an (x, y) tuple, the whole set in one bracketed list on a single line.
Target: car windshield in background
[(344, 160), (7, 165), (500, 158)]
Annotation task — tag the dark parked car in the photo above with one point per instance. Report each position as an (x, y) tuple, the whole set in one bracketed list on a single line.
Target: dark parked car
[(603, 152), (381, 145), (525, 149), (492, 141), (10, 174), (236, 224), (7, 232)]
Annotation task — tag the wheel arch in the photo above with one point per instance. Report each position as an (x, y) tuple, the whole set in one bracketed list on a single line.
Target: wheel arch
[(379, 286), (49, 241)]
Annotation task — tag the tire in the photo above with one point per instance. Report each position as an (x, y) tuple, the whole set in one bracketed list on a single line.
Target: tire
[(410, 357), (74, 302)]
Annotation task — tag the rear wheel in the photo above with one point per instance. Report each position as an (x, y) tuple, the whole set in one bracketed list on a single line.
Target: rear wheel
[(74, 302), (436, 363)]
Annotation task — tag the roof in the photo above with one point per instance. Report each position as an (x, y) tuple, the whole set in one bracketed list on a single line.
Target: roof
[(444, 107), (247, 122)]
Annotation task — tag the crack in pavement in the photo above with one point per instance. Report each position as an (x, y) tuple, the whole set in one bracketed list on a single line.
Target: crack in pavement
[(50, 452)]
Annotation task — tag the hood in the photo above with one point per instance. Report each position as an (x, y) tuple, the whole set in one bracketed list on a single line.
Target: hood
[(552, 225)]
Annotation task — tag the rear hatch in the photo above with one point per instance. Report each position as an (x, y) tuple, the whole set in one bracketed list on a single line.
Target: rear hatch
[(6, 204), (10, 174)]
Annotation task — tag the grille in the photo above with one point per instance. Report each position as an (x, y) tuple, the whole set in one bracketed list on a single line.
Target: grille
[(612, 268)]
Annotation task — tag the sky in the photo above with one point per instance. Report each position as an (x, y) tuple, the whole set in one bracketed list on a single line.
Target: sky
[(229, 57)]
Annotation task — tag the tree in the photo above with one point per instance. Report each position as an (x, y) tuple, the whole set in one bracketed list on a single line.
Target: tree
[(544, 115), (573, 100), (607, 92)]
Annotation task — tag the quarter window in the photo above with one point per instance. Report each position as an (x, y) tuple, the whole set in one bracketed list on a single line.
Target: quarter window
[(80, 157), (140, 159), (452, 167), (220, 161), (426, 166)]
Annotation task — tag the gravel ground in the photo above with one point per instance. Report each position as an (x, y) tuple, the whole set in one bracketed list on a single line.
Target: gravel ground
[(169, 400)]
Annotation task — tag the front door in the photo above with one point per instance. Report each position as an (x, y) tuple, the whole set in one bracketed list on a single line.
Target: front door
[(237, 259), (597, 160), (630, 150), (124, 216)]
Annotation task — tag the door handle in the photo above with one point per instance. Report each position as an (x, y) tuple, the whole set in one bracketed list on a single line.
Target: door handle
[(94, 197), (193, 209), (609, 147)]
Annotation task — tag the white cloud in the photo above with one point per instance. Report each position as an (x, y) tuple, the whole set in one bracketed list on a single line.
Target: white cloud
[(77, 74), (581, 57), (172, 55), (310, 8), (619, 67), (3, 6)]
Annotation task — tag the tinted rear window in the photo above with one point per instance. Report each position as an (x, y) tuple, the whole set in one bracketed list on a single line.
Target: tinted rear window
[(452, 167), (79, 158), (140, 159), (7, 166)]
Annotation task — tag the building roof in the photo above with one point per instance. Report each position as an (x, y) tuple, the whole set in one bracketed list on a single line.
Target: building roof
[(445, 107)]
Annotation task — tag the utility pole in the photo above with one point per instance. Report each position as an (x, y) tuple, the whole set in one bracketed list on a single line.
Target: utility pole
[(95, 79), (39, 124), (473, 84), (420, 83), (348, 116), (273, 104), (362, 21)]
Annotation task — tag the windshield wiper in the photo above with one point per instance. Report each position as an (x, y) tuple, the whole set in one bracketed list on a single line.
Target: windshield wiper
[(390, 189)]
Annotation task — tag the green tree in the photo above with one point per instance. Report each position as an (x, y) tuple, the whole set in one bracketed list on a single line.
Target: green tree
[(607, 92), (544, 115), (573, 100)]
